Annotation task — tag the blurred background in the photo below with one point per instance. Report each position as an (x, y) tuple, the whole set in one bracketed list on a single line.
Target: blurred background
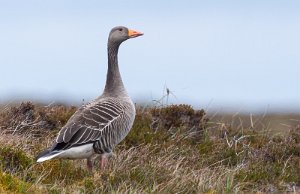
[(222, 56)]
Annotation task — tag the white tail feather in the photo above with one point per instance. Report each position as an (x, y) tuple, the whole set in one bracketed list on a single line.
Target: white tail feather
[(78, 152), (48, 157)]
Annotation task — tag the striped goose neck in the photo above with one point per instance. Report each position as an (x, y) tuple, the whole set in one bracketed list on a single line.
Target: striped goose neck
[(114, 85)]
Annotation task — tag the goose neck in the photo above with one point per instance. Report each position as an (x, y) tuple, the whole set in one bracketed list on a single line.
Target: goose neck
[(114, 84)]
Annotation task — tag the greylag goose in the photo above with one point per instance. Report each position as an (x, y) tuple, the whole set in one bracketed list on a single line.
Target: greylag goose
[(96, 128)]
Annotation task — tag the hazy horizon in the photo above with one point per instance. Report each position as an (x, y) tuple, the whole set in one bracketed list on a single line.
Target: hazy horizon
[(211, 107)]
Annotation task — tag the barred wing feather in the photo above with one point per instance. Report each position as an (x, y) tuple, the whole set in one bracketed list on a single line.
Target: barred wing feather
[(106, 121)]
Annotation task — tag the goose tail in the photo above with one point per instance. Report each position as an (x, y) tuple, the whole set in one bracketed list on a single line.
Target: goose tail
[(47, 155)]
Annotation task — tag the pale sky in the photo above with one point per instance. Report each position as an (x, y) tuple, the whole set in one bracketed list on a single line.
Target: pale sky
[(223, 55)]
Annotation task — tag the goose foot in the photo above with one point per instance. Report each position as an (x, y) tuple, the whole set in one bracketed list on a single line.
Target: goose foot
[(103, 162)]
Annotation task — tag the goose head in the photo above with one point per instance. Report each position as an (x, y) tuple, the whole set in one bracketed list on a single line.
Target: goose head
[(120, 33)]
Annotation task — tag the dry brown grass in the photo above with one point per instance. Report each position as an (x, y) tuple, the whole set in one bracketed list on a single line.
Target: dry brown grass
[(161, 154)]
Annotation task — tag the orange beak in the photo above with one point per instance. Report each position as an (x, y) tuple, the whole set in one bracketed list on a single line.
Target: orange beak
[(133, 34)]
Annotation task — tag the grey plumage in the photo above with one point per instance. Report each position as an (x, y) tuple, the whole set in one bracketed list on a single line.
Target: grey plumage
[(96, 128), (107, 118)]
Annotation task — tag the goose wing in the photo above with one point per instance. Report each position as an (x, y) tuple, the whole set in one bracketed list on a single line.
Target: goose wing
[(98, 120)]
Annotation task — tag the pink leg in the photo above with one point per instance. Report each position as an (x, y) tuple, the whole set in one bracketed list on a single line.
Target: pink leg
[(89, 164), (104, 161)]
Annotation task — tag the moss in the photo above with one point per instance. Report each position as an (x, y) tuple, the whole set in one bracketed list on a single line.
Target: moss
[(10, 183), (14, 185), (13, 159)]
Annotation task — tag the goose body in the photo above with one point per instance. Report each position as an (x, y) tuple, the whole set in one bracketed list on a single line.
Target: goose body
[(96, 128)]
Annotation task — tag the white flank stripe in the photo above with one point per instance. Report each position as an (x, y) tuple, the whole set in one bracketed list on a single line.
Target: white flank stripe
[(42, 159)]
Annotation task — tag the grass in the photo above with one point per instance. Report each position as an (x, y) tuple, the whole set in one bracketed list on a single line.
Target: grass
[(173, 149)]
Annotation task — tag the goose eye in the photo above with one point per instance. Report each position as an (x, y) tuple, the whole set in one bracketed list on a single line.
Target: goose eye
[(120, 29)]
